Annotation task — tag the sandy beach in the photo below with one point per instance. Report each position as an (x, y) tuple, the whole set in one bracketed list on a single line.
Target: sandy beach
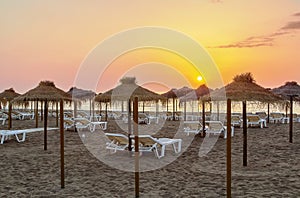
[(273, 165)]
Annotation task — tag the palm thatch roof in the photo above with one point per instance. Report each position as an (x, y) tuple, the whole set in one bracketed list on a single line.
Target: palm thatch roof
[(243, 88), (177, 93), (170, 94), (8, 95), (81, 94), (128, 89), (46, 90), (289, 88), (196, 94)]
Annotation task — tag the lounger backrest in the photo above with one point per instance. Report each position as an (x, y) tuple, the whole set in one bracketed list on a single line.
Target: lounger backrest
[(253, 118), (68, 122), (169, 113), (235, 118), (83, 122), (178, 113), (68, 115), (261, 114), (192, 126), (276, 115), (215, 126), (146, 141), (121, 140), (82, 114), (142, 116), (117, 138)]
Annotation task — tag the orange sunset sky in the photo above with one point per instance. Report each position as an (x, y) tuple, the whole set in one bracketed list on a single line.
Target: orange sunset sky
[(49, 40)]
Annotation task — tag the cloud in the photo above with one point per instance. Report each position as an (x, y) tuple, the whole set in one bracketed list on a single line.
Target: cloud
[(296, 14), (265, 40), (255, 41), (292, 25)]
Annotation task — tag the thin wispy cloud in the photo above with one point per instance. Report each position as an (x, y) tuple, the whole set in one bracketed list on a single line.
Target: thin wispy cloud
[(265, 40), (296, 14), (292, 25), (255, 41)]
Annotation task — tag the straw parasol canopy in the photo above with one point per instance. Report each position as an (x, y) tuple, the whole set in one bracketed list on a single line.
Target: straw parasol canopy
[(8, 95), (128, 89), (81, 94), (288, 89), (45, 91), (176, 93), (196, 94), (244, 88)]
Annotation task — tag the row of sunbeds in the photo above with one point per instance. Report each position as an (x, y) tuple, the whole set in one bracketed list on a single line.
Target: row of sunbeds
[(17, 114), (211, 127), (147, 143)]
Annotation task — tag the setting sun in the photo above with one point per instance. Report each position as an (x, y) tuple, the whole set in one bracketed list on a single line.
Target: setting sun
[(199, 78)]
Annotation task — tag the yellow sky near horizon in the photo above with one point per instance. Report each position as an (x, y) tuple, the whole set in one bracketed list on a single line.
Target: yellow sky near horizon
[(48, 40)]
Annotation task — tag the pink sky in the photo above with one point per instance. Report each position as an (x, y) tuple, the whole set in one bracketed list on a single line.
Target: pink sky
[(48, 40)]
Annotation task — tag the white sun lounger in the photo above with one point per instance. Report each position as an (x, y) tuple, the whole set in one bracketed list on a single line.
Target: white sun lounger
[(6, 133), (83, 123), (118, 142), (149, 143), (217, 128), (194, 127)]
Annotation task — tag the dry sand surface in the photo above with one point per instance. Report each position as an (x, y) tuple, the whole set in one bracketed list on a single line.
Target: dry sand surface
[(273, 165)]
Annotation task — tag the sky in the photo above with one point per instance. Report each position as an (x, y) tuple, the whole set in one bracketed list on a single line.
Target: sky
[(52, 40)]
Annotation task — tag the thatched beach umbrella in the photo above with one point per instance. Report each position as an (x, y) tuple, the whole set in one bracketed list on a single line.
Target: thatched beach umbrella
[(174, 94), (6, 97), (171, 94), (289, 88), (196, 94), (129, 91), (243, 88), (47, 92), (289, 91), (81, 95)]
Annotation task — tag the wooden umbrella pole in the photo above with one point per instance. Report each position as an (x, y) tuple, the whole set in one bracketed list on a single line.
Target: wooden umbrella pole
[(291, 119), (167, 105), (173, 108), (228, 160), (136, 146), (36, 114), (218, 110), (90, 107), (106, 112), (45, 123), (9, 115), (62, 154), (93, 109), (157, 109), (75, 109), (56, 105), (203, 118), (42, 111), (129, 126), (184, 110), (268, 118), (244, 134)]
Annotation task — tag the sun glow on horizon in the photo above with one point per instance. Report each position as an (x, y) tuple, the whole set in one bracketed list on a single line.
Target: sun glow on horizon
[(199, 78)]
